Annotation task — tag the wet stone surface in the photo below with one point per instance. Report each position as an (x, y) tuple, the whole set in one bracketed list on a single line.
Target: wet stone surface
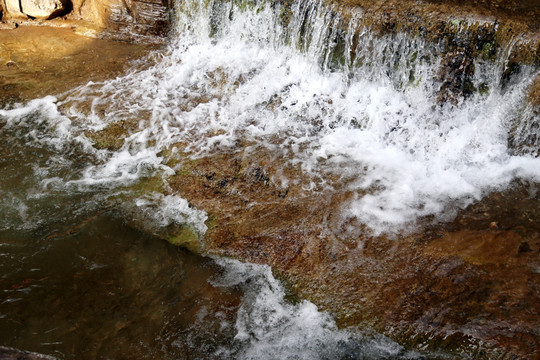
[(38, 61), (469, 286), (450, 287)]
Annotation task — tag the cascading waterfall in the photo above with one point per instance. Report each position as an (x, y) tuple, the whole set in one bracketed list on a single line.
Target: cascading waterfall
[(328, 98), (348, 109)]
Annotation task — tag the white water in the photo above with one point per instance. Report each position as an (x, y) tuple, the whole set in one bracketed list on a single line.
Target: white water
[(233, 74), (270, 327)]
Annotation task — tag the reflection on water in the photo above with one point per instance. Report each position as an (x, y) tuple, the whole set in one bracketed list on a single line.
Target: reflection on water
[(103, 290)]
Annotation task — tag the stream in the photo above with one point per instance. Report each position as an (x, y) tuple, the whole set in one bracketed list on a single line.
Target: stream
[(86, 203)]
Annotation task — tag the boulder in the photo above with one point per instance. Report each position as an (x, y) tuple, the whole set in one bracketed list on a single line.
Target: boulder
[(13, 7), (43, 9)]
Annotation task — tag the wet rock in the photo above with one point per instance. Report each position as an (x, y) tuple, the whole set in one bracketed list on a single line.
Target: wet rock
[(477, 275), (11, 65), (456, 76), (7, 353), (524, 247), (465, 31), (462, 287), (136, 20)]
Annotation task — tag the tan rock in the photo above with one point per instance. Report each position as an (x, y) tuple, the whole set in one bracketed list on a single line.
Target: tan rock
[(43, 9), (13, 7)]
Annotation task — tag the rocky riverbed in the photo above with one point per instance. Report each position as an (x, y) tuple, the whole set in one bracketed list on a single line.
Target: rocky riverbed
[(465, 280)]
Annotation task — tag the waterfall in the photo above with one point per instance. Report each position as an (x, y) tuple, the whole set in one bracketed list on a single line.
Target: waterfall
[(344, 107), (410, 129)]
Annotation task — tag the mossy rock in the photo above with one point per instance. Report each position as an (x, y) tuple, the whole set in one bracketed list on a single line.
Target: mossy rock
[(187, 238), (111, 137)]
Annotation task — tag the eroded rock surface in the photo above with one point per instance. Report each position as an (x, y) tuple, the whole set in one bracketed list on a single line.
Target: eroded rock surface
[(468, 287)]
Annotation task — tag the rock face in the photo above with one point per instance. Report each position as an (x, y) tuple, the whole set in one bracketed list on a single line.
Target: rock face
[(131, 20), (469, 287), (13, 7)]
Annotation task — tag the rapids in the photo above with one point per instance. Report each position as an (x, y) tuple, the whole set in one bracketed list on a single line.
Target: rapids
[(336, 107), (346, 109)]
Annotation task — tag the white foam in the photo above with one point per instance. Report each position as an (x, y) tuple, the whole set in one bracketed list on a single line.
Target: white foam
[(234, 74), (270, 327), (164, 210), (45, 123)]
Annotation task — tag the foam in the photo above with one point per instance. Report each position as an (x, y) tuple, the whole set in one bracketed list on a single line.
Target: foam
[(270, 327), (165, 210), (234, 74), (413, 158)]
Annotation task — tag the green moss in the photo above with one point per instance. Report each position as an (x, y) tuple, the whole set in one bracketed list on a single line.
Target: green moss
[(187, 238), (110, 138), (285, 14), (414, 56), (487, 51), (483, 89), (211, 222), (291, 292)]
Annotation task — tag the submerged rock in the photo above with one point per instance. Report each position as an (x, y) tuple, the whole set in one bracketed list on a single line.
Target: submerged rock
[(467, 287)]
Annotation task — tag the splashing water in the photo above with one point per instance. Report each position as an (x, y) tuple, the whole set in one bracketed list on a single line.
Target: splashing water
[(350, 110), (269, 327), (234, 73)]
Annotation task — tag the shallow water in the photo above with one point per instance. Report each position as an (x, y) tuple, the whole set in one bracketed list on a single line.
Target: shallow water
[(103, 290)]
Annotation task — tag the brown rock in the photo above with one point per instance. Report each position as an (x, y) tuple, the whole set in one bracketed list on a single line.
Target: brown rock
[(467, 287), (129, 20)]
